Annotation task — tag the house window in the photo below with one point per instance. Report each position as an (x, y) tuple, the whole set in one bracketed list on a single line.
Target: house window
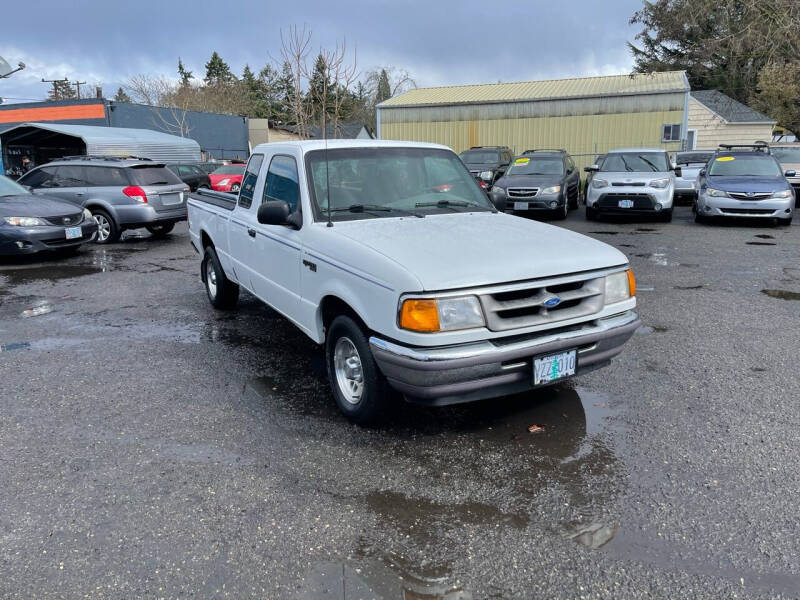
[(671, 133)]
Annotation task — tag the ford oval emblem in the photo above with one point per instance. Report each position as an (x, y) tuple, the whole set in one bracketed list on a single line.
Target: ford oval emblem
[(552, 302)]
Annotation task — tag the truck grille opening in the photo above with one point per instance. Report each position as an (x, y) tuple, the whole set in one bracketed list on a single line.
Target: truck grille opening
[(540, 304)]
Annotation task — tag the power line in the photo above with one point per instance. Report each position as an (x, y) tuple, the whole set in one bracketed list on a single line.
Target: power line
[(55, 83), (78, 85)]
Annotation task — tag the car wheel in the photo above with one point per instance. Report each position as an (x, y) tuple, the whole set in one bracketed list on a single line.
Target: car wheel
[(666, 216), (562, 212), (591, 214), (787, 221), (108, 231), (235, 188), (222, 292), (359, 388), (159, 231), (573, 204), (698, 218)]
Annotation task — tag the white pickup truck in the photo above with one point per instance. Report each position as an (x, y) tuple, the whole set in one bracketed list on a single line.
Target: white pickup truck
[(390, 255)]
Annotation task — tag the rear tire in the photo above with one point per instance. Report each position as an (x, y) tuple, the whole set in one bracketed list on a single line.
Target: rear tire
[(359, 388), (222, 292), (108, 232), (159, 231)]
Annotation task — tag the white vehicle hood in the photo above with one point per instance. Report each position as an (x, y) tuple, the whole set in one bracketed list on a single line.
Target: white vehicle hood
[(462, 250)]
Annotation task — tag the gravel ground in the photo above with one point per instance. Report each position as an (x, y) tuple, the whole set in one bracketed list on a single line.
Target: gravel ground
[(153, 447)]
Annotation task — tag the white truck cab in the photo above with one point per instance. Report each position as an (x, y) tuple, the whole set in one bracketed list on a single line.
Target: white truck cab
[(391, 255)]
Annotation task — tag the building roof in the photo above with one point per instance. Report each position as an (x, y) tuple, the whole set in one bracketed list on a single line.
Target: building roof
[(550, 89), (344, 131), (116, 141), (728, 109)]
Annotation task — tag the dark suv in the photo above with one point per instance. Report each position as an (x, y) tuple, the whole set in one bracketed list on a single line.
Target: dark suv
[(539, 181), (192, 175), (487, 163), (121, 193)]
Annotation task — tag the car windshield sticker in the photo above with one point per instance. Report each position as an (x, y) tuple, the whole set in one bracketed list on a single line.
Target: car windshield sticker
[(725, 158), (522, 161)]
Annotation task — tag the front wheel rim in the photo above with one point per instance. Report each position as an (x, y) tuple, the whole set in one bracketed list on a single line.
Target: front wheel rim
[(348, 370), (211, 279), (103, 227)]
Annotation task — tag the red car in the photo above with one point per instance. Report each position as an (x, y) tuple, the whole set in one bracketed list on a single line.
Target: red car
[(227, 178)]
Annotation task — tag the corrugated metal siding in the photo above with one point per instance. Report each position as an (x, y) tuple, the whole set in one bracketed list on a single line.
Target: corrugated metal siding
[(540, 90), (713, 131)]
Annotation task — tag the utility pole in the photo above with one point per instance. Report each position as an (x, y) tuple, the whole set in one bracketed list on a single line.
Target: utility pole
[(78, 85), (55, 83)]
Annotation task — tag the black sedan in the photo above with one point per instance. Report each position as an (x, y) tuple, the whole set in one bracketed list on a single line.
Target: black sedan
[(192, 175), (31, 223)]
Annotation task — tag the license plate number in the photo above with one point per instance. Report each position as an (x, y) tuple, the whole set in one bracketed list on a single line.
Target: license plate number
[(625, 203), (73, 233), (520, 206), (554, 367)]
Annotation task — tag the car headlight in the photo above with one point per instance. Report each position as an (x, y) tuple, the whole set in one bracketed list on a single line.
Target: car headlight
[(428, 315), (87, 214), (620, 286), (599, 183), (659, 183), (486, 174), (716, 193), (224, 181), (553, 189), (498, 189), (782, 194), (25, 221)]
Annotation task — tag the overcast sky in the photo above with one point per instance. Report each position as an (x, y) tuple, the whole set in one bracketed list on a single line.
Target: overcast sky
[(439, 42)]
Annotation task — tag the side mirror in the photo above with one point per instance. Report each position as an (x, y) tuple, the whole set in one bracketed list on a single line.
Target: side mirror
[(274, 212), (591, 169), (790, 173), (673, 166), (498, 199), (703, 172), (678, 172)]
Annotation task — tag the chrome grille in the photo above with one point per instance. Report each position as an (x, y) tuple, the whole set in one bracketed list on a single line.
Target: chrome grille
[(750, 195), (65, 220), (522, 192), (525, 305)]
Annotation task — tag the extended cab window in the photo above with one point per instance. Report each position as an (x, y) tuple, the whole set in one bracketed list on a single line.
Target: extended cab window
[(249, 180), (282, 181)]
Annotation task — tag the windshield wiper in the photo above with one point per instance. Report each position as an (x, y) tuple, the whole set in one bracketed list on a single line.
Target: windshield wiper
[(625, 162), (655, 168), (449, 204), (360, 208)]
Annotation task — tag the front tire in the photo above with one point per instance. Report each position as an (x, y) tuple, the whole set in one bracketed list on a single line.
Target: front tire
[(159, 231), (787, 221), (235, 188), (573, 204), (222, 292), (561, 213), (359, 388), (591, 214), (666, 216), (108, 232)]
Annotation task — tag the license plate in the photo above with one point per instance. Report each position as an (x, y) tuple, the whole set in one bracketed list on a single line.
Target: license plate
[(554, 367), (520, 206), (625, 203), (170, 199), (73, 233)]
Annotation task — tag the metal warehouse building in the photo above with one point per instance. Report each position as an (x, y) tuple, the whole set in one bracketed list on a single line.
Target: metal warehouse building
[(586, 116)]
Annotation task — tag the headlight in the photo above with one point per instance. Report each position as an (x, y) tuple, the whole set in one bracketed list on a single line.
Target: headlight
[(224, 182), (599, 183), (716, 193), (25, 221), (620, 286), (553, 189), (87, 214), (782, 194), (429, 315), (486, 174), (498, 189), (660, 183)]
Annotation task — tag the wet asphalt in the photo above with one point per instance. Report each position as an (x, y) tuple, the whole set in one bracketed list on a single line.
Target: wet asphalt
[(152, 447)]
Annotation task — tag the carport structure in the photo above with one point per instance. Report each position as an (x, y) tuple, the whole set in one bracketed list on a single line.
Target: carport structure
[(44, 142)]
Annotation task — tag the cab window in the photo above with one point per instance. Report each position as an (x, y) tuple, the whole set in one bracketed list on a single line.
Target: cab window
[(282, 182), (249, 180)]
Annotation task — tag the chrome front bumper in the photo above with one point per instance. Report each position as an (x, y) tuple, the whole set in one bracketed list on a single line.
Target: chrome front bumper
[(490, 368)]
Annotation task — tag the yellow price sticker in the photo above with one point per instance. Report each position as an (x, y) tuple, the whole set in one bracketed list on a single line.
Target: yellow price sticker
[(725, 159), (522, 161)]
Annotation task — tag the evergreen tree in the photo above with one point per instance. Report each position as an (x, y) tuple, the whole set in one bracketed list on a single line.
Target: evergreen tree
[(384, 91), (121, 96), (218, 73), (61, 90), (184, 74), (257, 102), (286, 93), (320, 91)]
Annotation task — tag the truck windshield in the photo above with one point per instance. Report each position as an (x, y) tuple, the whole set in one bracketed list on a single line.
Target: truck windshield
[(748, 165), (386, 182), (619, 162)]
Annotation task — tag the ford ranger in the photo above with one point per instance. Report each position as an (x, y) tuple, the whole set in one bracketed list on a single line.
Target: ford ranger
[(390, 255)]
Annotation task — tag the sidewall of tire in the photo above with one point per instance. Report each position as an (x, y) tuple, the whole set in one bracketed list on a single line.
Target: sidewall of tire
[(227, 292), (115, 232)]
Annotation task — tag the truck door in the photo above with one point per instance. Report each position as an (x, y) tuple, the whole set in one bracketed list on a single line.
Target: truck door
[(276, 268), (241, 230)]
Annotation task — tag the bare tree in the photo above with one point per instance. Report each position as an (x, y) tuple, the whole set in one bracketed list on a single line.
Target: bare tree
[(295, 45), (343, 75)]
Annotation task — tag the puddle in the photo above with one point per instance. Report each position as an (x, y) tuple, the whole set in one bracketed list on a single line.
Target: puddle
[(645, 229), (595, 535), (761, 243), (648, 329), (782, 294), (764, 236), (36, 311), (690, 287), (605, 232), (22, 276), (15, 346), (627, 246)]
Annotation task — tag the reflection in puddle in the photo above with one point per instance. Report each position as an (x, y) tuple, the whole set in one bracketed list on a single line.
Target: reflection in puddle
[(648, 329), (21, 276), (41, 309), (595, 535), (782, 294), (15, 346)]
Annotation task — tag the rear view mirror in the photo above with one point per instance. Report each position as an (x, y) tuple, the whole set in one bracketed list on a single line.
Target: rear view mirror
[(703, 172), (790, 173), (591, 169), (274, 212), (678, 171)]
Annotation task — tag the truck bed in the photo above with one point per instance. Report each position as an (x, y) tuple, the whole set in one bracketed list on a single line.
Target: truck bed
[(223, 200)]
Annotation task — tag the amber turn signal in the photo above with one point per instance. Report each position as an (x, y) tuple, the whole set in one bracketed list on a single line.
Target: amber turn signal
[(419, 315), (631, 282)]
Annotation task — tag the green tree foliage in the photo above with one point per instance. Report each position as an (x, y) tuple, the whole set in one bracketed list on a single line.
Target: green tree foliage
[(320, 91), (61, 90), (218, 73), (778, 94), (121, 96), (384, 90), (185, 76)]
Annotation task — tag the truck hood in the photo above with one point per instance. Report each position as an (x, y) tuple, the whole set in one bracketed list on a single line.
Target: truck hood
[(463, 250), (747, 184)]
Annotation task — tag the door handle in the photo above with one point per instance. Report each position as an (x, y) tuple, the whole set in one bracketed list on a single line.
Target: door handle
[(251, 232)]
